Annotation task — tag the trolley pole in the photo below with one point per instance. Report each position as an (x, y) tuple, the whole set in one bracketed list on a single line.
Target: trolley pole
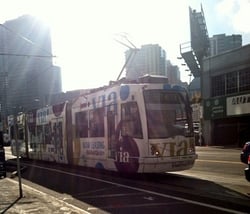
[(18, 159)]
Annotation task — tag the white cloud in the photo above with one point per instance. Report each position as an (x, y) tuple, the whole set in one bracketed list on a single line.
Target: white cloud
[(242, 17), (226, 7), (235, 12)]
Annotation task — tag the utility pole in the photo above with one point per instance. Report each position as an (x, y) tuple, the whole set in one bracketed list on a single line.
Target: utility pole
[(18, 158), (2, 152)]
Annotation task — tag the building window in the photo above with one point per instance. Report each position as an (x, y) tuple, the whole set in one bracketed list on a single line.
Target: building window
[(81, 124), (131, 122), (218, 85), (244, 80), (231, 83)]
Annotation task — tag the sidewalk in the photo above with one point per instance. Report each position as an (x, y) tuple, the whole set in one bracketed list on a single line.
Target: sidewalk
[(33, 201)]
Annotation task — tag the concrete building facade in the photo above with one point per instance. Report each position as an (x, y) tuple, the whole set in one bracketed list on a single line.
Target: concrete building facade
[(226, 97), (221, 43)]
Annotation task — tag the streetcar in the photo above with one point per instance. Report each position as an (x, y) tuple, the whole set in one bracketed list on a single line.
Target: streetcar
[(142, 126)]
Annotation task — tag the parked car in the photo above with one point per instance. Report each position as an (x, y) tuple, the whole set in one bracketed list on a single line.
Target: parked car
[(245, 158)]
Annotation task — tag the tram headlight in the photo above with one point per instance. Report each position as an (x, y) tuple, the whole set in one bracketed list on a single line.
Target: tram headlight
[(155, 151)]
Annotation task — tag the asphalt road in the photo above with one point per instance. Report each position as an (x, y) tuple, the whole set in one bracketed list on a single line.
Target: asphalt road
[(222, 166), (216, 184)]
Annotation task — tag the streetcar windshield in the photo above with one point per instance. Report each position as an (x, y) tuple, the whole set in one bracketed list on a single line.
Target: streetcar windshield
[(166, 113)]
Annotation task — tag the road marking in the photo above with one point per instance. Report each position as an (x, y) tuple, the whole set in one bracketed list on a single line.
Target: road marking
[(136, 205), (217, 161), (141, 190), (149, 198)]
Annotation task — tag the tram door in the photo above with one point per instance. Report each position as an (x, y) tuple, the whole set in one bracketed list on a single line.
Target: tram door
[(111, 134)]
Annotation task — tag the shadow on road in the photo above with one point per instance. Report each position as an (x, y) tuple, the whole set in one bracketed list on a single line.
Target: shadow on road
[(10, 205), (81, 187)]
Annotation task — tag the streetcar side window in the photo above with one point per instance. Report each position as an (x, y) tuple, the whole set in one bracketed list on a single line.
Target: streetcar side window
[(58, 135), (21, 134), (96, 122), (81, 124), (12, 132), (47, 133), (39, 134), (32, 132), (131, 122)]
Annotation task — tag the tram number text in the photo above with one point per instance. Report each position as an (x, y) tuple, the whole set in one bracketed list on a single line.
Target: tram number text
[(122, 156)]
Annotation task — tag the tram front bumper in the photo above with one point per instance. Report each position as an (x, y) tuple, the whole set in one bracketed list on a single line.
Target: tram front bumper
[(167, 164)]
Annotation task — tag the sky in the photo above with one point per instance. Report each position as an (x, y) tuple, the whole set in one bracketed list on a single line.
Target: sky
[(85, 32)]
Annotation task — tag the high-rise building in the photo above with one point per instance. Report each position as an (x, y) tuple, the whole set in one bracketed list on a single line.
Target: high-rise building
[(27, 73), (173, 73), (150, 59), (221, 43)]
